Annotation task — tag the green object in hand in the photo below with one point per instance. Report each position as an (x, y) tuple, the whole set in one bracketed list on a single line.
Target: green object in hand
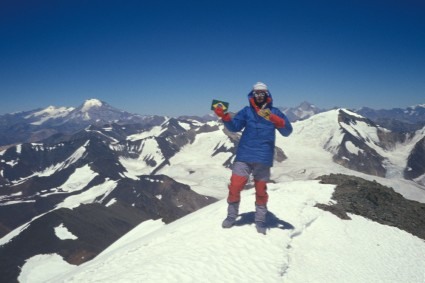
[(218, 103)]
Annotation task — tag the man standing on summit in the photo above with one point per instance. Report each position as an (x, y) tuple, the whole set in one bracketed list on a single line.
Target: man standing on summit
[(255, 150)]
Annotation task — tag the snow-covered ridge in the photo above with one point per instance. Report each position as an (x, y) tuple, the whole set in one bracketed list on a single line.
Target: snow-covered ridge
[(304, 244), (201, 163), (48, 113), (418, 106)]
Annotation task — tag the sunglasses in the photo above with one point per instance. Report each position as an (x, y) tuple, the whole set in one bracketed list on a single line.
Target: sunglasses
[(260, 93)]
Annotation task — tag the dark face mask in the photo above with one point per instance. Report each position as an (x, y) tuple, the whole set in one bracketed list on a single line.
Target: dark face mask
[(260, 98)]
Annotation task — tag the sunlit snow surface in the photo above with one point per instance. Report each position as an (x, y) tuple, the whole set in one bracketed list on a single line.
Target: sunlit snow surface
[(305, 244), (48, 113), (63, 233)]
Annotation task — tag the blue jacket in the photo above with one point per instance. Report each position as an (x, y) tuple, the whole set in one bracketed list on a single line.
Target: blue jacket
[(258, 138)]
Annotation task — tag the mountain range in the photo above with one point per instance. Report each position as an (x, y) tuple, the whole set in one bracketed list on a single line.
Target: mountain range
[(98, 172)]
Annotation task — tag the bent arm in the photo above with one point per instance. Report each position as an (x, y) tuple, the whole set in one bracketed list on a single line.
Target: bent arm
[(287, 129), (284, 126), (237, 123)]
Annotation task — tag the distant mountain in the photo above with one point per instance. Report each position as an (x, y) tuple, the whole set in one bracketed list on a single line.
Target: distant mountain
[(356, 143), (88, 182), (107, 177), (397, 119), (36, 125), (352, 140), (405, 120), (303, 111)]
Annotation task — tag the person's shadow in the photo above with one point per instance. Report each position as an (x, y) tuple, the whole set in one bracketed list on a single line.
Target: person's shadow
[(272, 221)]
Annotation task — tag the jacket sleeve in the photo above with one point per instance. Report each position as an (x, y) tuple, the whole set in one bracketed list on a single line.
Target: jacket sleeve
[(237, 123), (287, 129)]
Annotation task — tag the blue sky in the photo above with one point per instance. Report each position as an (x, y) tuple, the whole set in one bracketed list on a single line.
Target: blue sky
[(174, 57)]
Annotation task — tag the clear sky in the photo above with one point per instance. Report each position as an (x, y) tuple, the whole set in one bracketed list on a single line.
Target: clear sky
[(174, 57)]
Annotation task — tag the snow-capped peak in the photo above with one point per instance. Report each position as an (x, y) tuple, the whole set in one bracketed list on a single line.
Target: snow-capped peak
[(91, 103), (418, 106)]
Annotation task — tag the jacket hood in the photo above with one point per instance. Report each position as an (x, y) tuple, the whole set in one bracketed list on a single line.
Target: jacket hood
[(252, 102)]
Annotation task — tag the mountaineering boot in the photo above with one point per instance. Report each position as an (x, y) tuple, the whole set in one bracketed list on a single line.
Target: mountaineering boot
[(232, 213), (260, 218)]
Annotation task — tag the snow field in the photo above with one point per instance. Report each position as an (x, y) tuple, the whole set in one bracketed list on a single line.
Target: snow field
[(307, 245)]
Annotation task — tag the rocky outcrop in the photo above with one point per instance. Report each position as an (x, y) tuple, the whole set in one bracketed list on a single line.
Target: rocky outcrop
[(416, 163), (95, 225), (374, 201)]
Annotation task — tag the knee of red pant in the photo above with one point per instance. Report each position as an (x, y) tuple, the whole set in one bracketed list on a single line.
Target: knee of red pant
[(233, 198), (261, 196), (260, 187), (234, 194), (261, 199), (237, 183)]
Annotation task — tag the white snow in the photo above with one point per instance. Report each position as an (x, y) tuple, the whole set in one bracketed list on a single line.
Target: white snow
[(79, 179), (89, 196), (40, 268), (63, 233), (205, 174), (362, 131), (352, 148), (351, 113), (305, 244), (154, 132), (307, 159), (48, 113), (12, 163), (185, 126), (76, 182), (111, 202), (420, 179), (79, 153), (112, 139), (147, 150)]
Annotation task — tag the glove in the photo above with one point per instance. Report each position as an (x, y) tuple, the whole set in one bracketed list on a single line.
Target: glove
[(268, 115), (265, 113), (220, 113)]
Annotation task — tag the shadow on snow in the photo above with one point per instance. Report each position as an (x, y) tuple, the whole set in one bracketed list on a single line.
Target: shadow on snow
[(272, 221)]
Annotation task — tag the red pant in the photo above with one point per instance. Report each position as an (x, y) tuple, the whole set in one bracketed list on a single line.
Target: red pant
[(237, 183)]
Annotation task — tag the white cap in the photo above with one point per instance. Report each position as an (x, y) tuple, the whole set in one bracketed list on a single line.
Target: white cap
[(259, 86)]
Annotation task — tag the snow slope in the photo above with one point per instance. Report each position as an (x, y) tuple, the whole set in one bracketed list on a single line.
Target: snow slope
[(309, 150), (307, 158), (197, 166), (305, 244)]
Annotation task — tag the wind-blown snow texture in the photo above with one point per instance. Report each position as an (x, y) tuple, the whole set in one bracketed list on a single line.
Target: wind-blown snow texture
[(304, 244)]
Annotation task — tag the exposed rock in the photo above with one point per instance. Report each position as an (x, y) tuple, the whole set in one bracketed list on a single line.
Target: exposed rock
[(366, 159), (96, 225), (416, 162), (375, 202)]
